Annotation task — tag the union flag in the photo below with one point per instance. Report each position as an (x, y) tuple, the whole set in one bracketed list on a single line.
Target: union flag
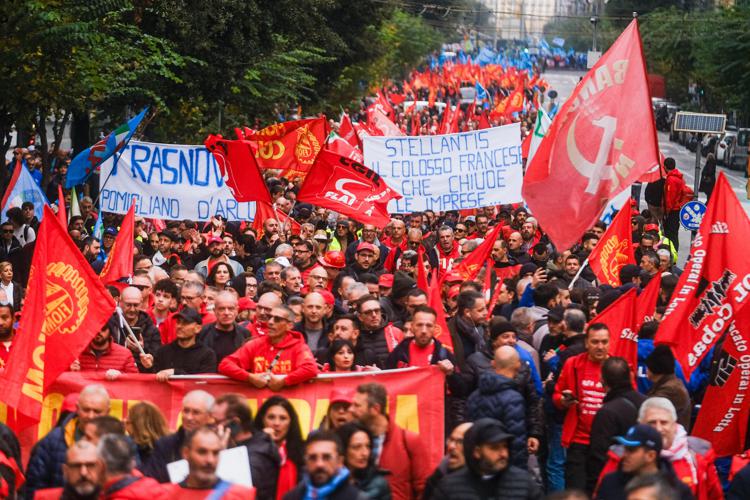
[(614, 250), (65, 307), (119, 262), (619, 317), (469, 267)]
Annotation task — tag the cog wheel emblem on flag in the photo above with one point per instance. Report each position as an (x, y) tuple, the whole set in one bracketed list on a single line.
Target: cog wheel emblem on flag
[(308, 146), (67, 299)]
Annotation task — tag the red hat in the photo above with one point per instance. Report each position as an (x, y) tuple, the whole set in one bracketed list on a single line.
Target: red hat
[(386, 280), (327, 296), (341, 396), (214, 239), (453, 277), (651, 227), (334, 259), (454, 291), (246, 304), (366, 246)]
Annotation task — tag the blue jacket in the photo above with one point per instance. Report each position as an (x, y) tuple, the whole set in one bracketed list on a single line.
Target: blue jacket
[(48, 456), (498, 397), (645, 348)]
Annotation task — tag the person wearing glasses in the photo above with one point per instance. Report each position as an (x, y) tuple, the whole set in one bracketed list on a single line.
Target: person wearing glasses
[(278, 359), (377, 335), (9, 244)]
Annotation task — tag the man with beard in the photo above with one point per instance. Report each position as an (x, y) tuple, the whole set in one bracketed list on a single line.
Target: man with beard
[(572, 265), (91, 248), (291, 280), (515, 250), (529, 235), (446, 251), (327, 478), (7, 332), (369, 235), (453, 460), (165, 257), (216, 254), (103, 355), (468, 328), (488, 472), (201, 451), (82, 472), (365, 260)]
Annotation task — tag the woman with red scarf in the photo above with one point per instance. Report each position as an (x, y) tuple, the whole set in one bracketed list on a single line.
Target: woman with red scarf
[(278, 419)]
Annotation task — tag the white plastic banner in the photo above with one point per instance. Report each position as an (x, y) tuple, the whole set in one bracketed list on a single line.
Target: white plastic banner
[(169, 181), (450, 172)]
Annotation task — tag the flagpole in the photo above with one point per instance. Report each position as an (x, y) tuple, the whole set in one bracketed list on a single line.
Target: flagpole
[(131, 335), (578, 274)]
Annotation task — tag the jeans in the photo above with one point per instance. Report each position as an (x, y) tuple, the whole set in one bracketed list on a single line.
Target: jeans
[(555, 459)]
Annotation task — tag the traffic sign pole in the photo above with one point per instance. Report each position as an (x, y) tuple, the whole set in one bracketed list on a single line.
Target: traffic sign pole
[(696, 182)]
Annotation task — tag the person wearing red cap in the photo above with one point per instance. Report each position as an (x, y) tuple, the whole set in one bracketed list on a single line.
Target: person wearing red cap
[(216, 254), (338, 413), (365, 261), (385, 283), (333, 262), (369, 235)]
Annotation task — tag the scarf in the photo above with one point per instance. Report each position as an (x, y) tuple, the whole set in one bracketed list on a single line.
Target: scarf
[(287, 474), (680, 450), (323, 492)]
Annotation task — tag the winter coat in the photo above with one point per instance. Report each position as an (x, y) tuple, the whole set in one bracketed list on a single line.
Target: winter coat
[(676, 191), (185, 361), (618, 413), (166, 450), (613, 485), (402, 456), (212, 338), (498, 397), (48, 456), (115, 357), (290, 357), (264, 463), (672, 388), (345, 491), (381, 342), (134, 488), (467, 483), (466, 338), (739, 489), (148, 330), (374, 484)]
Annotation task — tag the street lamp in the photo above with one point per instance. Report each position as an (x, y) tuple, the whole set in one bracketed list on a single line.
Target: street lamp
[(594, 20)]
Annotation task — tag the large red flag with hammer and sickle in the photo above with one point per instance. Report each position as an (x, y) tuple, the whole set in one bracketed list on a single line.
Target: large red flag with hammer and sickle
[(65, 307), (601, 141), (614, 250)]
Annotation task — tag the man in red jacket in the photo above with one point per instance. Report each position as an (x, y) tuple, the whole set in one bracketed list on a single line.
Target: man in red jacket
[(104, 355), (676, 193), (283, 351), (121, 480), (394, 449), (579, 390)]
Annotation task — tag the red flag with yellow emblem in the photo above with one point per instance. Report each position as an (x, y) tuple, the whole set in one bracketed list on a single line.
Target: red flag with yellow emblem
[(290, 146), (119, 262), (469, 267), (614, 250), (65, 307)]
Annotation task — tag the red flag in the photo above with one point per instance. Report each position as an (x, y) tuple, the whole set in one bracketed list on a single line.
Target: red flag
[(441, 328), (723, 417), (65, 307), (526, 145), (421, 274), (377, 120), (619, 317), (61, 206), (339, 146), (349, 188), (347, 132), (515, 102), (484, 122), (614, 250), (600, 142), (501, 273), (382, 104), (119, 262), (290, 146), (265, 211), (469, 267), (645, 307), (238, 168), (715, 285)]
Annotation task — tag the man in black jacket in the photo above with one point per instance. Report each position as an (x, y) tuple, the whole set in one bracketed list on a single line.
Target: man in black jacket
[(184, 356), (141, 324), (488, 473), (618, 413), (640, 459), (224, 336), (196, 413)]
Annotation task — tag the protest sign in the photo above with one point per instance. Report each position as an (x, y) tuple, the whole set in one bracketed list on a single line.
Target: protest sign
[(415, 400), (450, 172), (169, 181)]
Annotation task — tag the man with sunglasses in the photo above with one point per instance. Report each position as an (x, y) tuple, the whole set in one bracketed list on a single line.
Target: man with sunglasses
[(276, 360), (9, 244)]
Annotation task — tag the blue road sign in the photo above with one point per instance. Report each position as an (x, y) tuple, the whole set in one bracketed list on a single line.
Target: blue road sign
[(691, 215)]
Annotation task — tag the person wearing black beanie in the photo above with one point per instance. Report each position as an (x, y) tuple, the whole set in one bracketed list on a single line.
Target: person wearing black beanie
[(660, 370)]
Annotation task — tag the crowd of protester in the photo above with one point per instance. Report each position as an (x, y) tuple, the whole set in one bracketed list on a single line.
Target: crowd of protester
[(534, 402)]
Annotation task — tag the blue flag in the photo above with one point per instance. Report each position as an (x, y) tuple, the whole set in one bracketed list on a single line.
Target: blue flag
[(89, 159), (23, 188), (481, 92)]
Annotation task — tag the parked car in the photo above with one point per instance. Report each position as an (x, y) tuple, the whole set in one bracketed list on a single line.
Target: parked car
[(724, 146), (738, 155)]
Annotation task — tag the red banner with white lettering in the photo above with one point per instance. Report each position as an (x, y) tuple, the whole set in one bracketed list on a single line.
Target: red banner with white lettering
[(715, 285), (415, 400)]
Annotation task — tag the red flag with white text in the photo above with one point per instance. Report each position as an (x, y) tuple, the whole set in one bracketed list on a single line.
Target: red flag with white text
[(601, 141), (65, 307), (715, 284), (238, 168), (614, 250), (349, 188), (119, 262)]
